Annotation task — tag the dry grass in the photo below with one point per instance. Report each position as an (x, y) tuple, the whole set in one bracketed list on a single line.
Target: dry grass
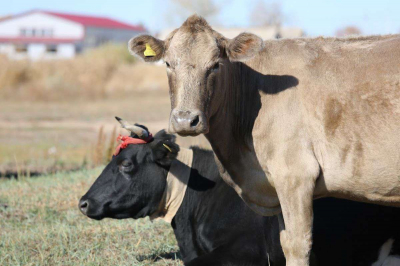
[(45, 137), (58, 115), (41, 225), (108, 71), (51, 111)]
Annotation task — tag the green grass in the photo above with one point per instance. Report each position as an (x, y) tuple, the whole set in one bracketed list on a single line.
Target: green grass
[(40, 224)]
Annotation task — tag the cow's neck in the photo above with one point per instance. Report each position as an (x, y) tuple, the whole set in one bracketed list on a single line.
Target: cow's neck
[(238, 107), (237, 89), (202, 204), (177, 181), (232, 124)]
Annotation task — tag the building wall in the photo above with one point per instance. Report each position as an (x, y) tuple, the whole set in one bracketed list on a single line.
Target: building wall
[(61, 28), (39, 51), (66, 50), (36, 51), (69, 37), (97, 36)]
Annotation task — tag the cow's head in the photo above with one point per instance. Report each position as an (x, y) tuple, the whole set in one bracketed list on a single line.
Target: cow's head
[(194, 54), (132, 184)]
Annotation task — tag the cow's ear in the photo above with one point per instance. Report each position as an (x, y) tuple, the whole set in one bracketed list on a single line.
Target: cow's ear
[(164, 152), (244, 47), (147, 47)]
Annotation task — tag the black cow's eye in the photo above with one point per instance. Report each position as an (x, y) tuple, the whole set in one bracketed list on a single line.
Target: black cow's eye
[(167, 64), (126, 163)]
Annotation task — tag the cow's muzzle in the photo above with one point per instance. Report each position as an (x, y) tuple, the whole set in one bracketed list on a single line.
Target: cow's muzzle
[(188, 123), (91, 209), (84, 206)]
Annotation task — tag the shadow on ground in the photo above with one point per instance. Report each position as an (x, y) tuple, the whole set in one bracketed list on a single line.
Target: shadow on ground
[(157, 257)]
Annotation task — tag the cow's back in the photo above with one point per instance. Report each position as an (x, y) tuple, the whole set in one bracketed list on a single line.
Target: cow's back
[(346, 103)]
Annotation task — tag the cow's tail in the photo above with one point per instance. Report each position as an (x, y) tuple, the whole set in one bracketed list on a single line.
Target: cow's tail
[(384, 252)]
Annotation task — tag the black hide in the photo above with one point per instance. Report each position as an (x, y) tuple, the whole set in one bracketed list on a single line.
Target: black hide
[(213, 225)]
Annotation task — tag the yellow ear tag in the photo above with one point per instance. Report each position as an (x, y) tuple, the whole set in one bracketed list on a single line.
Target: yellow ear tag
[(149, 52), (168, 148)]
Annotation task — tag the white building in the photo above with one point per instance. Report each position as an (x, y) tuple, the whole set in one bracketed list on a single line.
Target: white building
[(44, 35)]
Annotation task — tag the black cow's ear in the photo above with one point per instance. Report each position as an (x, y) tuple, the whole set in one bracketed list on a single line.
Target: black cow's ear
[(164, 152), (147, 47)]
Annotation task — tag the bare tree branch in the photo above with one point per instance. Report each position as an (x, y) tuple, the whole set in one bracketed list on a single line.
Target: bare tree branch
[(264, 14), (204, 8), (180, 10)]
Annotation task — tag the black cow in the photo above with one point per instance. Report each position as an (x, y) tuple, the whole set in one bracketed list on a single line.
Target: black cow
[(214, 227)]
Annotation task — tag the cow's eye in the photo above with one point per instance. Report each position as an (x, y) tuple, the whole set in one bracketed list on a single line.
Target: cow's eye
[(126, 165), (167, 64), (215, 67)]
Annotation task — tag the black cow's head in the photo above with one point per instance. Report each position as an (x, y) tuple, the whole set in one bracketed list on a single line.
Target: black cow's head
[(133, 183)]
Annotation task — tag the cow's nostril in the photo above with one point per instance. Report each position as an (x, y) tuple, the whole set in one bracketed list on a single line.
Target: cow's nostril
[(195, 121), (83, 206)]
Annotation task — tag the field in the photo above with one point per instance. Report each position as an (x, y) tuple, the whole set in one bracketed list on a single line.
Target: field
[(59, 115), (57, 130), (41, 225), (42, 137)]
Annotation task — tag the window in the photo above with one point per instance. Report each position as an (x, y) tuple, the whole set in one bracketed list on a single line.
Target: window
[(21, 48), (22, 32), (51, 48), (49, 33), (32, 32), (28, 32)]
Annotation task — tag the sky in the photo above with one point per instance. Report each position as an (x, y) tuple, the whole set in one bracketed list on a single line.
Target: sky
[(315, 17)]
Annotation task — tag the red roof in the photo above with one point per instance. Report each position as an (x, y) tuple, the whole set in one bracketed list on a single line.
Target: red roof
[(92, 21), (37, 40), (88, 21)]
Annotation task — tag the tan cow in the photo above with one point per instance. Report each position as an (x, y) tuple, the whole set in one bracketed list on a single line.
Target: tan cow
[(289, 120)]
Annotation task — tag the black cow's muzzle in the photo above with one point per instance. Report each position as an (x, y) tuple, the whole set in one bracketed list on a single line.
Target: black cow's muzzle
[(83, 206), (90, 209)]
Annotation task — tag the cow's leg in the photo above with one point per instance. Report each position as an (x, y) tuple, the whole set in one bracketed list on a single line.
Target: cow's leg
[(296, 198)]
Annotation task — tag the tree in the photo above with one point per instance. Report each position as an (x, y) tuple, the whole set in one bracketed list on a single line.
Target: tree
[(264, 14), (182, 9), (348, 31), (204, 8)]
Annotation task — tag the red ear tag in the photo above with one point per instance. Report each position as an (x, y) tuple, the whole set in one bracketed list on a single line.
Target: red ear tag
[(126, 140)]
